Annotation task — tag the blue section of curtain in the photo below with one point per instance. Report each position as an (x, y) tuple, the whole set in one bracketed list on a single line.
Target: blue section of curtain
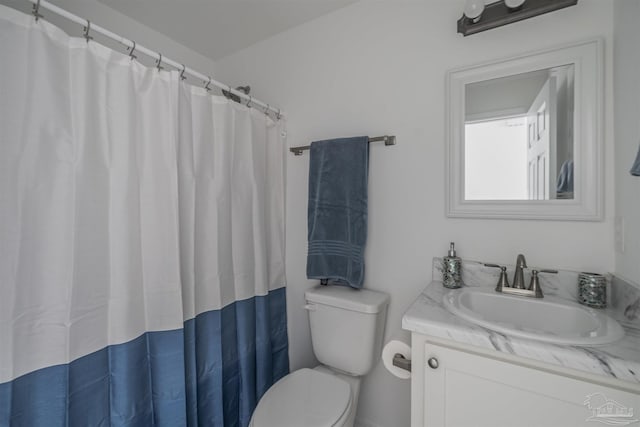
[(206, 374)]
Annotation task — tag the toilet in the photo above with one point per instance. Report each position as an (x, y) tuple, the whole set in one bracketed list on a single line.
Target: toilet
[(347, 327)]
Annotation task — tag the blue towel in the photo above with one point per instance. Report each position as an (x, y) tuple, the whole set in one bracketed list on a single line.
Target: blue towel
[(635, 169), (564, 183), (337, 210)]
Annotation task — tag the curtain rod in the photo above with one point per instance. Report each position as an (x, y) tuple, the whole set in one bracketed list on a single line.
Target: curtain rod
[(387, 139), (160, 59)]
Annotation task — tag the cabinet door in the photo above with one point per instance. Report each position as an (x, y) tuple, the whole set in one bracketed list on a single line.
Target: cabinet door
[(470, 390)]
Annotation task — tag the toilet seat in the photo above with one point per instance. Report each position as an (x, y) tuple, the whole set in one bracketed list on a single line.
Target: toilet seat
[(304, 398)]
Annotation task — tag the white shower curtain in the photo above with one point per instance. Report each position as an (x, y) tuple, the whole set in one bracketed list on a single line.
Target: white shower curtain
[(141, 241)]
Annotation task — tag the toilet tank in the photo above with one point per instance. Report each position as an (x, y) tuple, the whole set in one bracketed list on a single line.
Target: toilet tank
[(347, 326)]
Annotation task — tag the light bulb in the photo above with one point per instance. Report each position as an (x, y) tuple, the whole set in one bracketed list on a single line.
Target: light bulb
[(514, 4), (473, 9)]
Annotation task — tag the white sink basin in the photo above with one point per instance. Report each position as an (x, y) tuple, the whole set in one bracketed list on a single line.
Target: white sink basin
[(546, 319)]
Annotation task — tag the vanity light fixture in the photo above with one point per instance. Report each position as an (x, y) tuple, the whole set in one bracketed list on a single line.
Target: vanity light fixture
[(504, 12)]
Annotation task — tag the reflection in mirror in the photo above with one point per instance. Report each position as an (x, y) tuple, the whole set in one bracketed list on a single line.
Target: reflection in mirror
[(519, 136)]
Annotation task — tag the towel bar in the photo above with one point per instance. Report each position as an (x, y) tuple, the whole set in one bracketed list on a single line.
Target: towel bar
[(387, 139)]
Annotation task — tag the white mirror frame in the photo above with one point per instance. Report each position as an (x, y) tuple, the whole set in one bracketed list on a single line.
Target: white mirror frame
[(587, 204)]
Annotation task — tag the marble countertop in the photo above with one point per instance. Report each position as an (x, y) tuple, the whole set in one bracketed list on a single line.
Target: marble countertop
[(621, 359)]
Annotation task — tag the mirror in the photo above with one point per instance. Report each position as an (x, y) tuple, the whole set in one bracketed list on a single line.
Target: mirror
[(524, 136)]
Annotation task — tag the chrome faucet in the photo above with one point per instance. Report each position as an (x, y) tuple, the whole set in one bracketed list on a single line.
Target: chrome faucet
[(518, 287), (518, 276)]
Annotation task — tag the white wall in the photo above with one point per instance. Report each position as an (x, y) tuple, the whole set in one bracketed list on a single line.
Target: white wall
[(627, 113), (122, 25), (378, 67)]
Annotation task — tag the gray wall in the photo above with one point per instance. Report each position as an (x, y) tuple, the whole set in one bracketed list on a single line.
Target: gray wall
[(513, 93)]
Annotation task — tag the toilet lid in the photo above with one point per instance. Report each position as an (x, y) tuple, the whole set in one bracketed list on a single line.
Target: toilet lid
[(303, 398)]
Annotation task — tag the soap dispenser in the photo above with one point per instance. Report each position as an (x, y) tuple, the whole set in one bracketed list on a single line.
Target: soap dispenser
[(452, 269)]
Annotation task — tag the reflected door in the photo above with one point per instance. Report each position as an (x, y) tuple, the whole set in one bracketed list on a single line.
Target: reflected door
[(541, 143)]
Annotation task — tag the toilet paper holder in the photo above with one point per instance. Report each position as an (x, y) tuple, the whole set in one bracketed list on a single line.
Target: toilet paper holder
[(401, 362)]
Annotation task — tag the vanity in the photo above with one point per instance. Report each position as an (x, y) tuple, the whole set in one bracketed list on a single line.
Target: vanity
[(468, 374)]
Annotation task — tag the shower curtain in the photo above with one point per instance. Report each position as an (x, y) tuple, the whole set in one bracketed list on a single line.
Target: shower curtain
[(141, 241)]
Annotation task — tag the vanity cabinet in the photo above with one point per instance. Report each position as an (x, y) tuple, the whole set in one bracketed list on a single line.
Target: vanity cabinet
[(461, 385)]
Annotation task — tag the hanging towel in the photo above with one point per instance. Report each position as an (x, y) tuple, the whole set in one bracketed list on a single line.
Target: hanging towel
[(635, 169), (337, 210), (564, 183)]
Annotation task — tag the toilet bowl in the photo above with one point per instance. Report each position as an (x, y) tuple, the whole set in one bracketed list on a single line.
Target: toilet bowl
[(306, 397), (346, 333)]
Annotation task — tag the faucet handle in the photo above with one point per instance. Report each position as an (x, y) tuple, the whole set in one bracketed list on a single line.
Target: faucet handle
[(534, 284), (493, 265), (503, 281)]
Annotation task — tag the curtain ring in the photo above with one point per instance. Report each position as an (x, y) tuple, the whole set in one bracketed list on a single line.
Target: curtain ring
[(36, 11), (131, 55), (159, 62), (207, 85), (278, 116), (249, 101), (87, 37), (266, 109), (182, 76)]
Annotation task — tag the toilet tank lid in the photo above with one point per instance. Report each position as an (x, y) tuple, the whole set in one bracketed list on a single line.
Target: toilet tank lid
[(361, 300)]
